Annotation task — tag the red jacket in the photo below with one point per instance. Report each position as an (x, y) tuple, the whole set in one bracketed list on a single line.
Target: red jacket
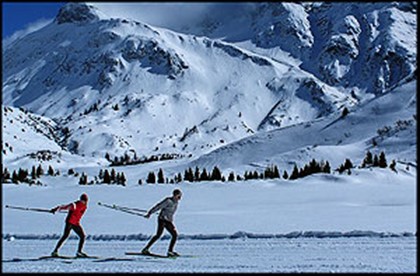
[(76, 211)]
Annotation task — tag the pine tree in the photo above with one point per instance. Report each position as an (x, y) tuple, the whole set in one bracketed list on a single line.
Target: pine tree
[(113, 176), (50, 170), (107, 177), (179, 178), (204, 175), (101, 174), (6, 174), (326, 168), (140, 182), (151, 178), (15, 177), (382, 160), (375, 161), (348, 164), (312, 168), (295, 173), (393, 165), (344, 112), (122, 179), (189, 175), (70, 172), (33, 173), (255, 175), (368, 159), (276, 173), (161, 178), (197, 174), (22, 175), (83, 179), (216, 174), (231, 177), (285, 175), (39, 171)]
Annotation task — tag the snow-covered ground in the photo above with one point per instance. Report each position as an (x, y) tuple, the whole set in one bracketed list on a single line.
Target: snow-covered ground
[(377, 200), (362, 222), (280, 255)]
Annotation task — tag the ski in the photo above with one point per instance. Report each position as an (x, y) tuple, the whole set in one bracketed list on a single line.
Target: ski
[(113, 259), (149, 254), (88, 257), (68, 257), (159, 255), (56, 257)]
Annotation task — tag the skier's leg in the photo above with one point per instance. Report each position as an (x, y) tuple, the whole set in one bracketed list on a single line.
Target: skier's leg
[(157, 235), (66, 234), (172, 230), (79, 231)]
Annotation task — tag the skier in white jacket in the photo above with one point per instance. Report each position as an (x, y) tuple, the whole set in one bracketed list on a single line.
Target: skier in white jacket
[(168, 207)]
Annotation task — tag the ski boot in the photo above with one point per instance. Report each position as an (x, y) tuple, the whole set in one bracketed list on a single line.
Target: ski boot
[(145, 251), (81, 255), (172, 254)]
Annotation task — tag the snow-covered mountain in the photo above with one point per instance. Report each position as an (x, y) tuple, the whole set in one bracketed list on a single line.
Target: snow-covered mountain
[(367, 46), (110, 85)]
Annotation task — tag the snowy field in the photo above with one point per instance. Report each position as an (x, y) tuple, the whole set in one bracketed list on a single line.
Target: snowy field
[(365, 222), (357, 254)]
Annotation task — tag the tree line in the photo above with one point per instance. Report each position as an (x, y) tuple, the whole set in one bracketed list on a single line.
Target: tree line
[(128, 160), (270, 172)]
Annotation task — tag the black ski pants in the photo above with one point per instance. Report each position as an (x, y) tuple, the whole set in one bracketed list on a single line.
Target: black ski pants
[(164, 224), (79, 231)]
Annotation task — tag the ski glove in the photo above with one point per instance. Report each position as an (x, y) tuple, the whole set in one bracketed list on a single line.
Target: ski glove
[(53, 210)]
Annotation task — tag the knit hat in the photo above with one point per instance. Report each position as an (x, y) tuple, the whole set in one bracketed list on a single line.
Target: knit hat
[(84, 197)]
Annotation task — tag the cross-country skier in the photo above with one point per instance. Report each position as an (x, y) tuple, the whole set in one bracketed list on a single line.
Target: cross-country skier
[(75, 213), (165, 221)]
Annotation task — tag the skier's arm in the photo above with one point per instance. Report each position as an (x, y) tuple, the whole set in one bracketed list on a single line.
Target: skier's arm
[(157, 207), (62, 207)]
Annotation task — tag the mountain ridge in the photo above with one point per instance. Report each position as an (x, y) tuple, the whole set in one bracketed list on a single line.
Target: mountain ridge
[(120, 86)]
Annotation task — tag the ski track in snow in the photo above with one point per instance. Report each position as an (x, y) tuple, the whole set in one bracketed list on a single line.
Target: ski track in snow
[(356, 254)]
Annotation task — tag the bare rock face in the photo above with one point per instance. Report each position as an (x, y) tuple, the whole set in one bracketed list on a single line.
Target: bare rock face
[(76, 13)]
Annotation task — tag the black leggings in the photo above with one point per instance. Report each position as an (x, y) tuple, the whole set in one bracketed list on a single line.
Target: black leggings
[(164, 224), (79, 231)]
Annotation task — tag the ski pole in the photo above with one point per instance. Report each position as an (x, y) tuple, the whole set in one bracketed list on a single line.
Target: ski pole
[(133, 209), (114, 206), (28, 209), (120, 209)]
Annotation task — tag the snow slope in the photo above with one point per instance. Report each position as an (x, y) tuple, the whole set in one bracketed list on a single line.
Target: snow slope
[(389, 119), (123, 87)]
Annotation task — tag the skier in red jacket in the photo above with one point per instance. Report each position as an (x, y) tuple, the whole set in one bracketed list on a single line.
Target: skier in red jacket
[(75, 213)]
